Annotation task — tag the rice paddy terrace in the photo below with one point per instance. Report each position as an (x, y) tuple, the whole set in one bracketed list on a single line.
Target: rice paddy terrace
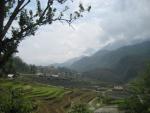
[(50, 99)]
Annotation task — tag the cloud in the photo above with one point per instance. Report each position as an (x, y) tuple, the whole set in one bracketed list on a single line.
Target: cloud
[(127, 21), (111, 24), (59, 42)]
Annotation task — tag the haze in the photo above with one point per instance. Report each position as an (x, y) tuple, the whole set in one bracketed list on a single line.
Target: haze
[(110, 24)]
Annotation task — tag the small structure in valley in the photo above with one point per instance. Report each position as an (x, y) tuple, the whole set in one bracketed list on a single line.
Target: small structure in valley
[(39, 74), (118, 88), (11, 76), (56, 76)]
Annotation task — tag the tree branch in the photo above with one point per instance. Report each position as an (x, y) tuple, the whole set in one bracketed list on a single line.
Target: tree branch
[(42, 15), (11, 19), (25, 5)]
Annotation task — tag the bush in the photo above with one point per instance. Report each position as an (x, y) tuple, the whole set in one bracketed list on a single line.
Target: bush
[(138, 102), (80, 108), (13, 101)]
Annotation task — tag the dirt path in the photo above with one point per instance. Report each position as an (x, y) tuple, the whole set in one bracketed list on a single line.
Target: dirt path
[(108, 109)]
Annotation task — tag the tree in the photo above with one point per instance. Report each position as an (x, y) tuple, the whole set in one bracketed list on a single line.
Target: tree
[(28, 21), (80, 108), (15, 65), (14, 101), (139, 100), (9, 68)]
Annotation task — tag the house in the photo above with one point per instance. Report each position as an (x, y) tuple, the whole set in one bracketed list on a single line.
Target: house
[(118, 88), (39, 74), (11, 76), (56, 76)]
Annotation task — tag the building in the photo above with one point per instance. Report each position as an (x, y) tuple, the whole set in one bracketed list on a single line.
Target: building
[(11, 76), (118, 88), (56, 76)]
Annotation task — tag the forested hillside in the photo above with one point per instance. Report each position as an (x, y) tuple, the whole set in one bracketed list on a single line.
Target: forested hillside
[(120, 65), (16, 65)]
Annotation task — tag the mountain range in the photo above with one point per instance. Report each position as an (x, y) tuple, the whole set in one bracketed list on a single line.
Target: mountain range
[(120, 65)]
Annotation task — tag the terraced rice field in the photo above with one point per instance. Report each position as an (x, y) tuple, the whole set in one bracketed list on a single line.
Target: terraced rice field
[(51, 99), (35, 90)]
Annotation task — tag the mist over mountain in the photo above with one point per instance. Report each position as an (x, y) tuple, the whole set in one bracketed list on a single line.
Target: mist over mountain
[(122, 64), (68, 63), (123, 42)]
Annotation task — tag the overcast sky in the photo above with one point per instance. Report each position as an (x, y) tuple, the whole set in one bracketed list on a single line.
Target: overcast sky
[(110, 23)]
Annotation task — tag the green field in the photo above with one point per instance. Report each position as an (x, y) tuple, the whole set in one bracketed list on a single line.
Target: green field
[(50, 99), (34, 90)]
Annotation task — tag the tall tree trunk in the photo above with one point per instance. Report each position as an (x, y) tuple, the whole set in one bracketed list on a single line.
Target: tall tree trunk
[(4, 59), (2, 16)]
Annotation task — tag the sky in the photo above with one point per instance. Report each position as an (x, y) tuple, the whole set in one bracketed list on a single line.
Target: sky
[(109, 25)]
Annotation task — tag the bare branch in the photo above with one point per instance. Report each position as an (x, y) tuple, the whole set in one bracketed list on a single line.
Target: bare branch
[(42, 15), (25, 5), (11, 19)]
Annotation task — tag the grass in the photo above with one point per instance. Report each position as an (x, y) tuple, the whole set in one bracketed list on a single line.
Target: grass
[(50, 99), (117, 101), (34, 90)]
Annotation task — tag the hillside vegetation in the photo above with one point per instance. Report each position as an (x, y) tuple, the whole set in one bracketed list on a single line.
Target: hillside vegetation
[(17, 65), (121, 65), (49, 99)]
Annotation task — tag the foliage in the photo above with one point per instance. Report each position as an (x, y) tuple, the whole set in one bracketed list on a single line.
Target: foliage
[(15, 65), (140, 98), (117, 66), (80, 108), (104, 99), (18, 21), (49, 99), (13, 101), (8, 68)]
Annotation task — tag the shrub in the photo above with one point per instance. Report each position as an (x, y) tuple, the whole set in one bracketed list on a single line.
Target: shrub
[(14, 101)]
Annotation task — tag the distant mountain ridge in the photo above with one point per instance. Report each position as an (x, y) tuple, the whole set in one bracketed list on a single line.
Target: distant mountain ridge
[(67, 63), (121, 64)]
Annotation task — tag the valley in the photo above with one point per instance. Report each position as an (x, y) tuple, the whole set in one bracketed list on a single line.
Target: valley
[(50, 99), (102, 85), (74, 56), (59, 99), (114, 66)]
